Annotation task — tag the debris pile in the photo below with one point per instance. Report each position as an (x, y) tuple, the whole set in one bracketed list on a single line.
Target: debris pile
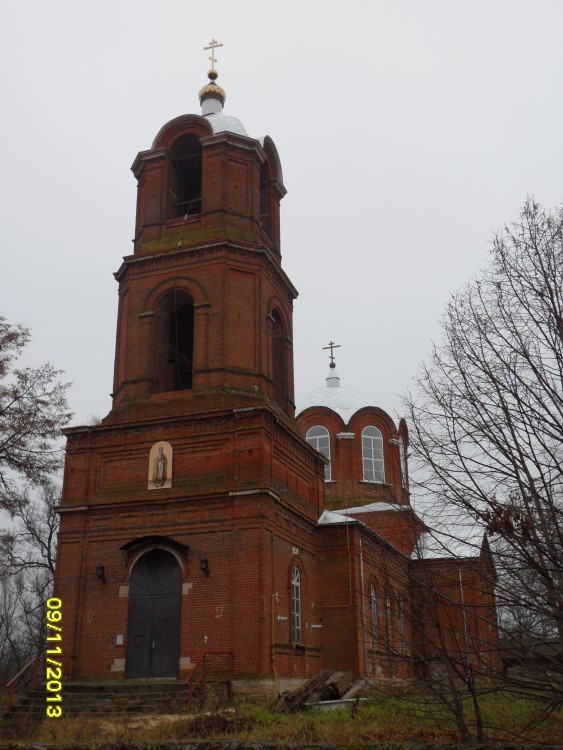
[(329, 685)]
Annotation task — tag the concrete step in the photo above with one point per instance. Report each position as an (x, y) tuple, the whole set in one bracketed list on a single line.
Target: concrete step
[(138, 697)]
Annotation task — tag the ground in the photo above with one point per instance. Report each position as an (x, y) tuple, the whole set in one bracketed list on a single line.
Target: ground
[(382, 723)]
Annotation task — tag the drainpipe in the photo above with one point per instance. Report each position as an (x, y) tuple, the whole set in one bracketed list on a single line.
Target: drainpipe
[(364, 631), (276, 683)]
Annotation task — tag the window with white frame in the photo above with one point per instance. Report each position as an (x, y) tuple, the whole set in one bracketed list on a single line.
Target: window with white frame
[(319, 437), (296, 605), (373, 606), (372, 455)]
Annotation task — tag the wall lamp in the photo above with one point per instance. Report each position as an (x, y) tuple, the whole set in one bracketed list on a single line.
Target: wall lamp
[(204, 566), (101, 573)]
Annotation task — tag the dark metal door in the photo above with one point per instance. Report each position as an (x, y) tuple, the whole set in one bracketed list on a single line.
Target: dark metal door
[(153, 630)]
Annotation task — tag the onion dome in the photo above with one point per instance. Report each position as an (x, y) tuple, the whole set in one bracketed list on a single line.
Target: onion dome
[(211, 96)]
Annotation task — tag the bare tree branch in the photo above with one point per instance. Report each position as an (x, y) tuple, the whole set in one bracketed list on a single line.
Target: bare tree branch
[(33, 410), (487, 433)]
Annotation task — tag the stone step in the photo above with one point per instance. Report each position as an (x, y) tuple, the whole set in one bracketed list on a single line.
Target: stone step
[(141, 706), (118, 698), (124, 687), (84, 697)]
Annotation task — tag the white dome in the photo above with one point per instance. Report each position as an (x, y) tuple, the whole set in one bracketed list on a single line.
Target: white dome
[(344, 401), (225, 123)]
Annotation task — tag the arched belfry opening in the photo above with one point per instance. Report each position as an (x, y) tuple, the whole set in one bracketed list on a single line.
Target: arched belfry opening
[(266, 218), (174, 342), (184, 184), (279, 358)]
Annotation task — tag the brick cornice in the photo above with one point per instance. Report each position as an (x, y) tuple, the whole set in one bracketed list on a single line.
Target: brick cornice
[(214, 246)]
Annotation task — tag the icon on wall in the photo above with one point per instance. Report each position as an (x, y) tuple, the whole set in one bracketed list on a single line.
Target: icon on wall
[(160, 466)]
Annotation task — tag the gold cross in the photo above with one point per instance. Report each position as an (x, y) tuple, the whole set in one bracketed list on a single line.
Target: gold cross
[(332, 346), (212, 46)]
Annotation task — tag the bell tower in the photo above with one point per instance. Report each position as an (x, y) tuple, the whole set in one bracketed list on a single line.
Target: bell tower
[(188, 509), (203, 301)]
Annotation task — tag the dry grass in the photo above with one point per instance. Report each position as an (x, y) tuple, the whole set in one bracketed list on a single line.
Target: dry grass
[(379, 722)]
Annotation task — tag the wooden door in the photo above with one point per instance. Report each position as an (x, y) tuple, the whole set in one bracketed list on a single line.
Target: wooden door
[(153, 630)]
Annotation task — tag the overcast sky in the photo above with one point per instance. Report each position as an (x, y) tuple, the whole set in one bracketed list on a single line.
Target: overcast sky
[(408, 130)]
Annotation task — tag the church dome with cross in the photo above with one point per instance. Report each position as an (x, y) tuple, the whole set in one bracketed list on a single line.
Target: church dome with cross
[(364, 450), (212, 99), (341, 399)]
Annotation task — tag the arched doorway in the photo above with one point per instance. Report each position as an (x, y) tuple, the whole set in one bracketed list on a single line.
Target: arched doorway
[(153, 629)]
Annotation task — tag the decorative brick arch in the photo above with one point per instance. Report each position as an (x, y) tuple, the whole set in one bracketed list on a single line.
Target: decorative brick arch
[(185, 283), (274, 165), (181, 126), (272, 190), (276, 304), (136, 548)]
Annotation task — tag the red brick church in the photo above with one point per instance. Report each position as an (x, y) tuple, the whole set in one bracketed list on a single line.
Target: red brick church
[(202, 515)]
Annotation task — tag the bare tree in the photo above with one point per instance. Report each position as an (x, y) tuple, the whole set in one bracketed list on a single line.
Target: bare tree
[(9, 650), (33, 410), (487, 427), (27, 563), (29, 544)]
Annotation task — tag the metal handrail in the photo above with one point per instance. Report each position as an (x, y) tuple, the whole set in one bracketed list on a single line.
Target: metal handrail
[(12, 687), (194, 679), (191, 682)]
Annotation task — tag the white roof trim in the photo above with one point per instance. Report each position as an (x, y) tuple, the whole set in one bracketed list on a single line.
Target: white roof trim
[(373, 507), (330, 516)]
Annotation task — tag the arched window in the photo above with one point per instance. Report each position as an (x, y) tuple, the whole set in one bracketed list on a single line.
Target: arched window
[(402, 625), (279, 358), (296, 605), (174, 342), (372, 455), (373, 606), (319, 437), (184, 185), (389, 621)]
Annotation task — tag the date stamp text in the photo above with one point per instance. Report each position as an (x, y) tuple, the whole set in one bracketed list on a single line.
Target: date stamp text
[(53, 658)]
